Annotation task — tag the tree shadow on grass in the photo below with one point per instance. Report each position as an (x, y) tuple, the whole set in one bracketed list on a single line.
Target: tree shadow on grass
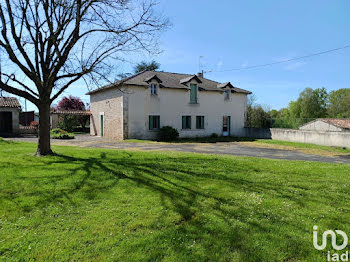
[(217, 222)]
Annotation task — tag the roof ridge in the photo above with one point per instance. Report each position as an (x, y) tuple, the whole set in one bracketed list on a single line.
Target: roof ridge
[(174, 73)]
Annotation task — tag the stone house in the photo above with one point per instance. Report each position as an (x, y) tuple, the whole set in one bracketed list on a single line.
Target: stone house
[(9, 115), (137, 106)]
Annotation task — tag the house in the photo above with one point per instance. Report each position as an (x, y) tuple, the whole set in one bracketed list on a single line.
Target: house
[(328, 125), (9, 115), (137, 106)]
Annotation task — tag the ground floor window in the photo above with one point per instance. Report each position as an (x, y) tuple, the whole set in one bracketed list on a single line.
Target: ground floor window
[(186, 122), (154, 122), (200, 122)]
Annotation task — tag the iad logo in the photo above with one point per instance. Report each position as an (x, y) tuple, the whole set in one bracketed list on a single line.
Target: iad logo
[(334, 256)]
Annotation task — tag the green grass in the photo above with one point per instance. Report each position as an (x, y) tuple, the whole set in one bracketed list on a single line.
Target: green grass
[(107, 205), (304, 145)]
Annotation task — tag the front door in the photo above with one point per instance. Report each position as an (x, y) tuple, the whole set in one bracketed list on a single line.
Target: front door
[(102, 127), (226, 125)]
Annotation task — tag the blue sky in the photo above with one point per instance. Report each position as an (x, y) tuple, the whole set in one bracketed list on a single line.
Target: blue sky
[(236, 34)]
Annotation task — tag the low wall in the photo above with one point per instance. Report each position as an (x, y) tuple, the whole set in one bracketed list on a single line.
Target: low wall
[(340, 139)]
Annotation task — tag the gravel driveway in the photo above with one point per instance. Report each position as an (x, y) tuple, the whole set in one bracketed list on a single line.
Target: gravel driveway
[(224, 148)]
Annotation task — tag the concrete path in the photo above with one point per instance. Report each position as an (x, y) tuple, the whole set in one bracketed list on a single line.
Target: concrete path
[(224, 148)]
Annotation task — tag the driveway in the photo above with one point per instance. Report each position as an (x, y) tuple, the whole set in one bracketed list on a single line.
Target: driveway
[(223, 148)]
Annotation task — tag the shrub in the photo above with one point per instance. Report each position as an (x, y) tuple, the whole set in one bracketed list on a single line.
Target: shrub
[(68, 122), (214, 135), (58, 133), (167, 133)]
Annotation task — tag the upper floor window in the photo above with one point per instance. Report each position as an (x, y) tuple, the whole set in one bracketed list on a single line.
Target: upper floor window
[(154, 122), (227, 94), (193, 94), (153, 88), (186, 122)]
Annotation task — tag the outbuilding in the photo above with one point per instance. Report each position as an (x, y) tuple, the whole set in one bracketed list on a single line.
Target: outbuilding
[(328, 125), (9, 115)]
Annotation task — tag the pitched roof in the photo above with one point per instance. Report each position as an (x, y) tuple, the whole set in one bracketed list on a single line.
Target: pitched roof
[(11, 102), (342, 123), (169, 80)]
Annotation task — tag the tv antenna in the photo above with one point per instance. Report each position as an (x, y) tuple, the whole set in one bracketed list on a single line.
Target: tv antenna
[(200, 66)]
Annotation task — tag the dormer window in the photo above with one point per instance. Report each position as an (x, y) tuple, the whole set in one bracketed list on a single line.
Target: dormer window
[(153, 88), (193, 94)]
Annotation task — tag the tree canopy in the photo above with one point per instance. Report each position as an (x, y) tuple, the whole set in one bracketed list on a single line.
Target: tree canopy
[(150, 66), (51, 44)]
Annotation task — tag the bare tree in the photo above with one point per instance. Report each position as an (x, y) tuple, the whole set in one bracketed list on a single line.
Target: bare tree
[(51, 44)]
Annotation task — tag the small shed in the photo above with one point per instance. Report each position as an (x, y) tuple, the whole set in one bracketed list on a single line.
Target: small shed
[(9, 115), (328, 125)]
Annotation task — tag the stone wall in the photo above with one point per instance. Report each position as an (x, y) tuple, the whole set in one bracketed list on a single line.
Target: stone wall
[(339, 139), (108, 103)]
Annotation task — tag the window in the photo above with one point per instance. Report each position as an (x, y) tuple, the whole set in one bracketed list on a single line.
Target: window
[(154, 122), (227, 94), (186, 122), (153, 88), (193, 93), (200, 122)]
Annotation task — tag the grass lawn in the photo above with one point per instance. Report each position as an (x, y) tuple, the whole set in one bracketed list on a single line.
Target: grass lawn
[(108, 205)]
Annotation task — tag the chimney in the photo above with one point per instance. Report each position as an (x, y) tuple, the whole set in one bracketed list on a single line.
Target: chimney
[(200, 74)]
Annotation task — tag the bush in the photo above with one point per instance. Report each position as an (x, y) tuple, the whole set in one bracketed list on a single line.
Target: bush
[(58, 133), (167, 133), (68, 122), (214, 135)]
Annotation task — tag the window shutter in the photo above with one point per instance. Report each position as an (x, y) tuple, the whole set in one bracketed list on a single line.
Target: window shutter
[(197, 122), (202, 122), (189, 122), (183, 122), (158, 122), (150, 122), (193, 93)]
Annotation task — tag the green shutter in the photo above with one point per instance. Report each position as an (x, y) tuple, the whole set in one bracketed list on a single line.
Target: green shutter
[(183, 122), (190, 122), (158, 121), (197, 122), (229, 125), (193, 93), (150, 122), (202, 122)]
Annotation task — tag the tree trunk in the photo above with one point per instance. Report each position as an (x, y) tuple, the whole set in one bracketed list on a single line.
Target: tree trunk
[(44, 145)]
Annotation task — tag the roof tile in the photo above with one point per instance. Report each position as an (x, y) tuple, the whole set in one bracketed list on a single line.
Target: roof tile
[(169, 80), (10, 102)]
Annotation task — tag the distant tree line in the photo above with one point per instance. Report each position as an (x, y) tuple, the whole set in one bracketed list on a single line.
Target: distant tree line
[(311, 104)]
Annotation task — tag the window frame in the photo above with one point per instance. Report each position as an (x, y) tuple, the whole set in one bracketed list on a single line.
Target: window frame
[(153, 120), (200, 122), (153, 89), (186, 122)]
